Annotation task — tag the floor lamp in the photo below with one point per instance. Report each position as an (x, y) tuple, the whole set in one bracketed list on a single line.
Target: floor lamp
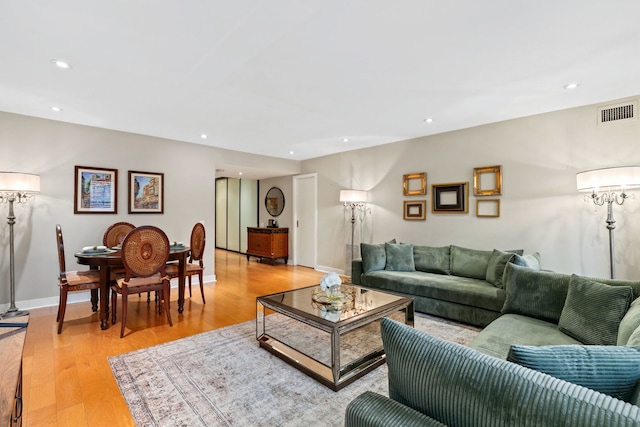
[(615, 181), (16, 188), (354, 199)]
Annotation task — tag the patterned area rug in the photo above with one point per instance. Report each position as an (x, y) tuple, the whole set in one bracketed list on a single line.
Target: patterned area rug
[(222, 378)]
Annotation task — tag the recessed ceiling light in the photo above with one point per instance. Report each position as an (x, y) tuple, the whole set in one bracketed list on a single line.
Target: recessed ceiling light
[(56, 109), (428, 120), (291, 152), (239, 173), (61, 64), (203, 136), (571, 85), (345, 139)]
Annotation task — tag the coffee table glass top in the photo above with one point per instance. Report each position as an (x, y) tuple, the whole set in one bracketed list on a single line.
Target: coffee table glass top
[(350, 302)]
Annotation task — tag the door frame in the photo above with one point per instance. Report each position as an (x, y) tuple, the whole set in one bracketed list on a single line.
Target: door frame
[(297, 208)]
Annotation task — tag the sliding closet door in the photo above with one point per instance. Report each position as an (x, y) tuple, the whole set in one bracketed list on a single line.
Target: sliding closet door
[(233, 215), (236, 209), (248, 209), (221, 213)]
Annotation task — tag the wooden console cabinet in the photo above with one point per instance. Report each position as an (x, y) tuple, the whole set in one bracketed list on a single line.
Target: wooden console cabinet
[(270, 243)]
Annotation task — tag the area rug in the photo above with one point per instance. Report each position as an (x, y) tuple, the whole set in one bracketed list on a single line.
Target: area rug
[(222, 378)]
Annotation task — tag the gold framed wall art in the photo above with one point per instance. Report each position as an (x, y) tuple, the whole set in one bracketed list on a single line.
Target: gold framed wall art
[(415, 210), (487, 181), (488, 208), (414, 184)]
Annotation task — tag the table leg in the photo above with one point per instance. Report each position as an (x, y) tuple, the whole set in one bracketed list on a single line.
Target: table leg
[(105, 274), (181, 282)]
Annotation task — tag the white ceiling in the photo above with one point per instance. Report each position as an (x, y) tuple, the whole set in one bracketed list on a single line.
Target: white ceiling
[(275, 76)]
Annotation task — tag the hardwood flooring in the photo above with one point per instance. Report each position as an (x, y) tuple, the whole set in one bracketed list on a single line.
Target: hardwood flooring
[(67, 378)]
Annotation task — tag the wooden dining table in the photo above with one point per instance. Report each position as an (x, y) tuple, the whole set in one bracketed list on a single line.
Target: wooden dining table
[(109, 259)]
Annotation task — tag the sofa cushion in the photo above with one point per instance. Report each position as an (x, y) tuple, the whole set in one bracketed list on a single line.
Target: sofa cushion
[(432, 260), (496, 266), (374, 257), (498, 337), (529, 260), (399, 257), (469, 262), (629, 323), (539, 294), (613, 370), (593, 311), (461, 290)]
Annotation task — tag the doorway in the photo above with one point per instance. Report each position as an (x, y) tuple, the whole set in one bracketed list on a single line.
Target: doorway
[(305, 219)]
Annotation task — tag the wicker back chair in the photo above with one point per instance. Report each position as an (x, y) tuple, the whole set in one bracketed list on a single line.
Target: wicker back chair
[(195, 264), (69, 281), (145, 252), (116, 233)]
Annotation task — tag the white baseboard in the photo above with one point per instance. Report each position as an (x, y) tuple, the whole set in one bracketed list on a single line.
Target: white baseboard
[(82, 296)]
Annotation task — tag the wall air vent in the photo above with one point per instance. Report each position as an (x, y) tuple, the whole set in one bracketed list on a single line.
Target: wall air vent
[(615, 113)]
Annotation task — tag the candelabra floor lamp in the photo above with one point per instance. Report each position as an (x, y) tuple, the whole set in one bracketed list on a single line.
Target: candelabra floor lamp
[(616, 181), (16, 188), (355, 200)]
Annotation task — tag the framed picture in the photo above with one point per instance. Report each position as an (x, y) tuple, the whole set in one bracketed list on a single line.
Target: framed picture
[(415, 210), (450, 198), (488, 208), (146, 192), (487, 181), (414, 184), (95, 190)]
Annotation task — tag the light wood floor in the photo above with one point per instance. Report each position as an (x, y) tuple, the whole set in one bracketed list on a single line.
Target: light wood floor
[(67, 378)]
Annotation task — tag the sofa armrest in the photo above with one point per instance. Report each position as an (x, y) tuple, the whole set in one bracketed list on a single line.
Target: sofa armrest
[(373, 410), (356, 271)]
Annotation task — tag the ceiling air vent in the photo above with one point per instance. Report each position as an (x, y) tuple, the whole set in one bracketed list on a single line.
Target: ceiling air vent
[(614, 113)]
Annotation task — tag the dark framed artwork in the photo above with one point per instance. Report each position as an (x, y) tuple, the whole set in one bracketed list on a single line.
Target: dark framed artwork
[(95, 190), (487, 181), (415, 210), (488, 208), (414, 184), (450, 198), (146, 192)]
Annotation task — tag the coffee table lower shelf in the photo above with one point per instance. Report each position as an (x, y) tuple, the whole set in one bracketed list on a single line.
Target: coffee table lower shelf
[(318, 371)]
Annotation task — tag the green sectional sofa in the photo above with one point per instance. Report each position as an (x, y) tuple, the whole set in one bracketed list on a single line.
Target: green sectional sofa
[(565, 351), (449, 281), (438, 383)]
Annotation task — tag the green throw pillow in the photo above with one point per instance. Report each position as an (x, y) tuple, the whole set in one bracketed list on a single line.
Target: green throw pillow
[(496, 266), (399, 257), (469, 262), (593, 311), (613, 370), (374, 257), (629, 323), (533, 293), (432, 260)]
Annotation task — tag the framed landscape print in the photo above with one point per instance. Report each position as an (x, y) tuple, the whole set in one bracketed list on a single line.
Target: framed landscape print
[(415, 210), (146, 192), (450, 198), (95, 190)]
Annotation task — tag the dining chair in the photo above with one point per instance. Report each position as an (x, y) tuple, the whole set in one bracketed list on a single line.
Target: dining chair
[(145, 252), (195, 264), (115, 234), (70, 281)]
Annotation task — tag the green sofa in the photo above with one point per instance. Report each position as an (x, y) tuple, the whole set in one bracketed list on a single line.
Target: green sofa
[(572, 350), (450, 281), (438, 383)]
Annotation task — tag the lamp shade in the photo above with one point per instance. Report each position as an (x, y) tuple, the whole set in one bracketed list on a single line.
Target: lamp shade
[(618, 177), (15, 182), (353, 196)]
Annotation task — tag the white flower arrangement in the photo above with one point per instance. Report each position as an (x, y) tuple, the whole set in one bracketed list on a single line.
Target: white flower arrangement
[(330, 280)]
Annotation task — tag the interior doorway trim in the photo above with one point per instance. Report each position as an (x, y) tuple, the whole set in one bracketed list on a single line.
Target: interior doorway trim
[(297, 209)]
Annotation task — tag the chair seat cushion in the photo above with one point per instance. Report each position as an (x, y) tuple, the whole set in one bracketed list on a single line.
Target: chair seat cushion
[(172, 269), (141, 281), (75, 278)]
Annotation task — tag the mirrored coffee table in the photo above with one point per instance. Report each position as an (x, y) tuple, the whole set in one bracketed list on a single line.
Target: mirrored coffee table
[(334, 339)]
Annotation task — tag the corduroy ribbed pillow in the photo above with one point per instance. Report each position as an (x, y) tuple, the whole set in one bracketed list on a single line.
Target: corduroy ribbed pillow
[(592, 311), (612, 370), (495, 268)]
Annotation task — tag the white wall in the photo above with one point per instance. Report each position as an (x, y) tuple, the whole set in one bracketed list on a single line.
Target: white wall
[(540, 207), (52, 150)]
